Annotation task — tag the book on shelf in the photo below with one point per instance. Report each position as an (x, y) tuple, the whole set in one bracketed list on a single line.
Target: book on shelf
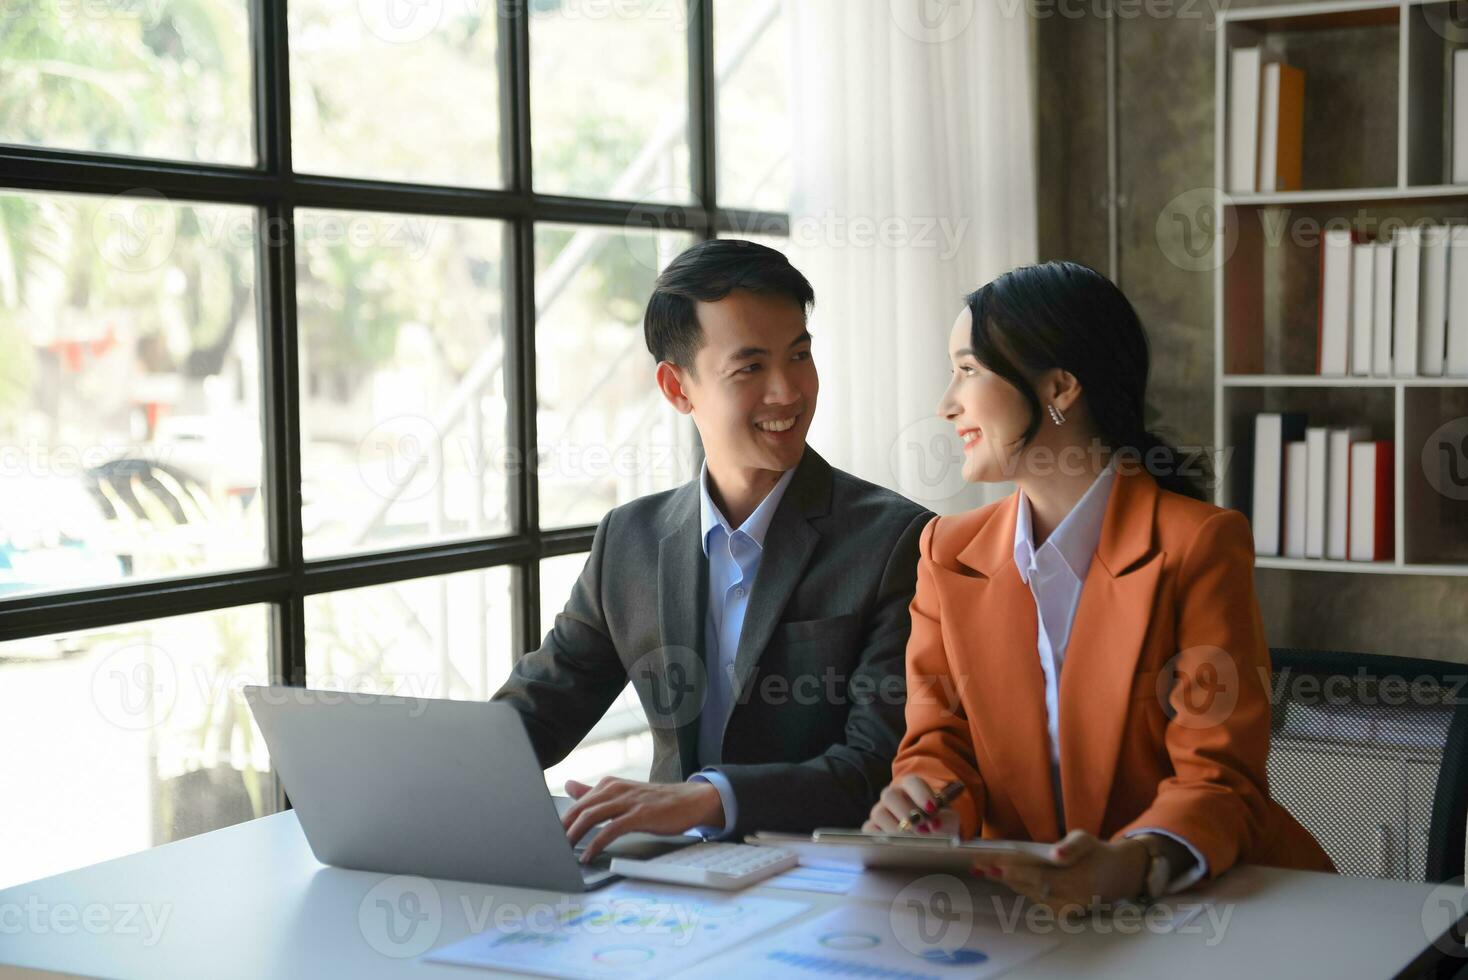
[(1457, 346), (1381, 319), (1317, 481), (1333, 331), (1333, 317), (1272, 430), (1281, 127), (1296, 499), (1372, 533), (1243, 118), (1433, 305), (1338, 502), (1407, 247), (1363, 306), (1460, 116)]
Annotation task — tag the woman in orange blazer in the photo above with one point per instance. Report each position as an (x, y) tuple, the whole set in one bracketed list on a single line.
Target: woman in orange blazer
[(1087, 654)]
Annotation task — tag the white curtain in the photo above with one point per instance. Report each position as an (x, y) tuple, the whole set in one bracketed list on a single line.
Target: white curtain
[(914, 184)]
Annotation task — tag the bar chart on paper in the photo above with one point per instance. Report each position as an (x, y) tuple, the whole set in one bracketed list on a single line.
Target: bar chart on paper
[(880, 942), (622, 933)]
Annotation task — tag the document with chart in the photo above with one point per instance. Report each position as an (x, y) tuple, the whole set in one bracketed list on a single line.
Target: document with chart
[(621, 932), (882, 942)]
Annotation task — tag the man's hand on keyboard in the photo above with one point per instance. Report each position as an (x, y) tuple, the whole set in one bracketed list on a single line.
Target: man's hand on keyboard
[(627, 805)]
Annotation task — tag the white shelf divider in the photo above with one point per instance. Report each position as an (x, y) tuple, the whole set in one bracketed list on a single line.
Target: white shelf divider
[(1358, 567), (1352, 195), (1318, 381)]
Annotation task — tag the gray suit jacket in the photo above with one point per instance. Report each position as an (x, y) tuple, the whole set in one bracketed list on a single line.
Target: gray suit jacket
[(819, 683)]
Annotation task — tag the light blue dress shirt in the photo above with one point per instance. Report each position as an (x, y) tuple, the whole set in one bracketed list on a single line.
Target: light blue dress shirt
[(1056, 573), (733, 560)]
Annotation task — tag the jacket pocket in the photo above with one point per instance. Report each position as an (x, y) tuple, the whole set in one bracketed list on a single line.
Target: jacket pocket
[(816, 630)]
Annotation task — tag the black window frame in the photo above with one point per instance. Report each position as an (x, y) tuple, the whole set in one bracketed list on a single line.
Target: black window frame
[(276, 191)]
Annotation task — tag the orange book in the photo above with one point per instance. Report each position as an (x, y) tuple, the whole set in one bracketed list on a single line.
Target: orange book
[(1282, 127)]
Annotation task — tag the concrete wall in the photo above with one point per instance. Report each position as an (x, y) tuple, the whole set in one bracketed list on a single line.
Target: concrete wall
[(1165, 131)]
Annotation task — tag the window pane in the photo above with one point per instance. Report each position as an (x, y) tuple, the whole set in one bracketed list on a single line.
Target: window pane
[(396, 90), (609, 98), (752, 64), (607, 435), (160, 78), (402, 379), (128, 737), (441, 637), (621, 743), (129, 390)]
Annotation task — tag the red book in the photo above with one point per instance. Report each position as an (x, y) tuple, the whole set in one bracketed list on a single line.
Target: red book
[(1373, 530)]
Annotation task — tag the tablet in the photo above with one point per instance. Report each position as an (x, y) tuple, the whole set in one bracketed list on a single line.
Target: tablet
[(902, 851)]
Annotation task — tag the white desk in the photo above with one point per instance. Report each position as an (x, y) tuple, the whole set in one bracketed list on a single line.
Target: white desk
[(251, 902)]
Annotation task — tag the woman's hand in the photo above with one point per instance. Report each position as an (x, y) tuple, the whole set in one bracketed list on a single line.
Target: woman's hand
[(1092, 871), (900, 799)]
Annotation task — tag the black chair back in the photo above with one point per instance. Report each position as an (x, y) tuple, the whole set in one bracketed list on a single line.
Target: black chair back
[(1370, 753)]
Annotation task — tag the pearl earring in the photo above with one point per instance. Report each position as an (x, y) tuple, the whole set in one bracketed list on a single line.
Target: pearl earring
[(1056, 415)]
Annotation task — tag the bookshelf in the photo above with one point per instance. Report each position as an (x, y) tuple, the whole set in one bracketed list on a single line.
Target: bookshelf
[(1379, 159)]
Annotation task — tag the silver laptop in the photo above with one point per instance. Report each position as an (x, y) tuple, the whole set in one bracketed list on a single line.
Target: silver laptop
[(421, 786)]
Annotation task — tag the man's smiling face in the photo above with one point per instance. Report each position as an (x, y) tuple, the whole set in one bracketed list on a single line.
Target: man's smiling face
[(754, 384)]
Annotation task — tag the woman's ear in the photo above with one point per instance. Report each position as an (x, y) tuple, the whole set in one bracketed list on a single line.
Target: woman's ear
[(1061, 389)]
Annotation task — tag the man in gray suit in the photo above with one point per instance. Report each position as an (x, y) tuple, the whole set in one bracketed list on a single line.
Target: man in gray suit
[(759, 611)]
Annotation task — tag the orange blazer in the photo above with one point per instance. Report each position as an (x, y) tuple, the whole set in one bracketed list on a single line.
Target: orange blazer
[(1164, 706)]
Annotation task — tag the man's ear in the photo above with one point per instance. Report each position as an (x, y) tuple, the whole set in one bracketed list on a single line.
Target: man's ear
[(671, 381)]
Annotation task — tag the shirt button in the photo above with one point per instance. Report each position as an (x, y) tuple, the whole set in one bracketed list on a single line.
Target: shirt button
[(739, 592)]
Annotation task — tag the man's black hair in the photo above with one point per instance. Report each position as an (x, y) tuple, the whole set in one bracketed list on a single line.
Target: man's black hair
[(707, 273)]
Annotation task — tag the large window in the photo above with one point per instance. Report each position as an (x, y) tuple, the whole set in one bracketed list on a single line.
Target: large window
[(320, 359)]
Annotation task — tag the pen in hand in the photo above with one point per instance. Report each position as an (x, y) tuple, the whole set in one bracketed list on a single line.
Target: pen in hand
[(945, 796)]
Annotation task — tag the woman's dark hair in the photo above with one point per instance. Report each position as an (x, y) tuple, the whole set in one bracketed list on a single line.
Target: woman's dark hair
[(1064, 315), (707, 272)]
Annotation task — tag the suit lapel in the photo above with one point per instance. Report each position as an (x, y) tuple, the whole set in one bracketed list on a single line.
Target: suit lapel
[(1106, 640), (789, 545), (679, 683), (990, 623)]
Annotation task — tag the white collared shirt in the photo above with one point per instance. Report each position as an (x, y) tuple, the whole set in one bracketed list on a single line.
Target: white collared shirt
[(1056, 573)]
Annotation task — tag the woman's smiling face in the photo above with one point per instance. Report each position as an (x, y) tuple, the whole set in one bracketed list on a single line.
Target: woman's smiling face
[(988, 413)]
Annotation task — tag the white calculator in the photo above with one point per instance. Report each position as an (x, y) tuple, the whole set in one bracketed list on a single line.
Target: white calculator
[(710, 865)]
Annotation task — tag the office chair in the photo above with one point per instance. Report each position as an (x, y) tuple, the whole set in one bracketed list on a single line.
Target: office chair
[(1370, 753)]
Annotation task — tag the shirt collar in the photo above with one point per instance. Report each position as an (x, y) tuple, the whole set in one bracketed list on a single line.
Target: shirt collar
[(755, 526), (1076, 538)]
